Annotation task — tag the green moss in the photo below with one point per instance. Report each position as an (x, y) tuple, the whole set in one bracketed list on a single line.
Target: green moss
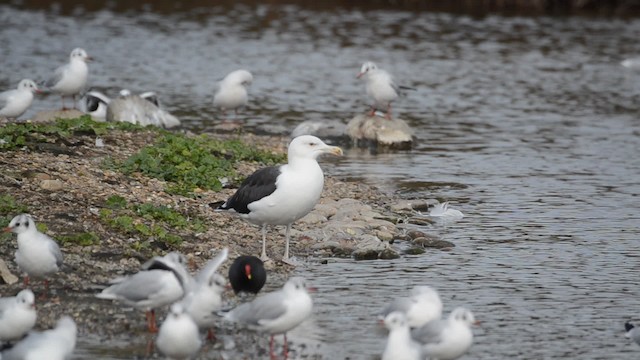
[(15, 135), (9, 207), (116, 202), (82, 239)]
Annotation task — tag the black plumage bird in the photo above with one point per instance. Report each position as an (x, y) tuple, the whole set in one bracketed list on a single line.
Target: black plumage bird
[(247, 274)]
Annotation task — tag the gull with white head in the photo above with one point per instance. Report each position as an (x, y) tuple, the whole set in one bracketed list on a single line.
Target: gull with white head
[(178, 337), (399, 346), (17, 315), (232, 91), (380, 87), (71, 78), (447, 339), (14, 103)]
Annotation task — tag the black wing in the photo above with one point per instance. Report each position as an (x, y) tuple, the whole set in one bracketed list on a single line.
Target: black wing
[(258, 185)]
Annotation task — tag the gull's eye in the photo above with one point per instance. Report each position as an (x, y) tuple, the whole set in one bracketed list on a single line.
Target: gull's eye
[(312, 144)]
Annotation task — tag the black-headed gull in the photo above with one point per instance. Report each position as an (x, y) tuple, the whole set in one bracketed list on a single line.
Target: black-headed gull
[(17, 315), (380, 87), (422, 306), (276, 312), (178, 337), (449, 338), (71, 78), (204, 298), (55, 344), (162, 281), (247, 274), (38, 255), (14, 103), (400, 345), (280, 195), (633, 332), (232, 91)]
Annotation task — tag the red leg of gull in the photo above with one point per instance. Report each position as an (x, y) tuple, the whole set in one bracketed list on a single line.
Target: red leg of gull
[(271, 353), (63, 105), (388, 116), (285, 350), (26, 281), (211, 336), (151, 321), (373, 111)]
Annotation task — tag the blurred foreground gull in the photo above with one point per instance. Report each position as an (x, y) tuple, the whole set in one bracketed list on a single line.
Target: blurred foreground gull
[(38, 255), (380, 87), (247, 274), (449, 338), (71, 78), (14, 103), (232, 91), (204, 297), (399, 346), (276, 312), (17, 315), (280, 195), (178, 337), (633, 332), (55, 344), (424, 305), (161, 282), (139, 109)]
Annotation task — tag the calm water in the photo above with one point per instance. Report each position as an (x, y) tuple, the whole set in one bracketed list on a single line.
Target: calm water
[(527, 125)]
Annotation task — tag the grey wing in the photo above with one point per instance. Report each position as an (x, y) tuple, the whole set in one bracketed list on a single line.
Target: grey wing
[(4, 97), (400, 304), (212, 266), (21, 349), (266, 307), (137, 287), (429, 333), (57, 76), (55, 250)]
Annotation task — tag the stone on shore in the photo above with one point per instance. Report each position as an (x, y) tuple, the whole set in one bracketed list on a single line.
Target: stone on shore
[(50, 115), (366, 131)]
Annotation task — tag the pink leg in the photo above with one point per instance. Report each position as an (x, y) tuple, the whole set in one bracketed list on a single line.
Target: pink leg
[(26, 280), (211, 336), (388, 116), (285, 350), (373, 111), (151, 321), (273, 356)]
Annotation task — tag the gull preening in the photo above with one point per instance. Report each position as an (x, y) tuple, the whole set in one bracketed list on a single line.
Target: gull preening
[(17, 315), (140, 109), (71, 78), (247, 274), (14, 103), (447, 339), (55, 344), (380, 87), (232, 91), (161, 282), (443, 210), (422, 306), (280, 195), (38, 255), (276, 312), (95, 104), (178, 337), (400, 345)]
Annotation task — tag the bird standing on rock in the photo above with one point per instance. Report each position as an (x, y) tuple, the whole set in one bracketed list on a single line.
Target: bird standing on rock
[(14, 103), (380, 87), (71, 78), (247, 274), (38, 255), (280, 195)]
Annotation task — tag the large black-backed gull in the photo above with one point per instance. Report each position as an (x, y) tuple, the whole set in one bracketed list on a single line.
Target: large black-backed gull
[(280, 195)]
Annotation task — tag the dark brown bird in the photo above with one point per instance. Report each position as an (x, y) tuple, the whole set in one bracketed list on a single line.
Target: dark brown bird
[(247, 274)]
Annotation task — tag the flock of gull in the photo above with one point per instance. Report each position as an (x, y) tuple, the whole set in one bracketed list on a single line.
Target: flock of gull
[(271, 196)]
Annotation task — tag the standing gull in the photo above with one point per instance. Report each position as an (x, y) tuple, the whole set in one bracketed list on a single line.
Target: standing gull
[(399, 346), (38, 255), (280, 195), (449, 338), (178, 337), (380, 87), (247, 274), (232, 91), (276, 312), (17, 315), (14, 103), (71, 78)]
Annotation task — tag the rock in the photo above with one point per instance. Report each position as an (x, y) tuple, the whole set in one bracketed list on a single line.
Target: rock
[(50, 115), (313, 218), (414, 251), (325, 129), (365, 254), (6, 275), (384, 235), (388, 254), (416, 234), (367, 130), (433, 243), (51, 185), (404, 205)]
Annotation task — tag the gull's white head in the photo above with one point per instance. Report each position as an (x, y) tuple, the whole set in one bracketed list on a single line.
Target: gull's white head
[(366, 69), (308, 146), (177, 310), (295, 284), (21, 224), (238, 77), (217, 282), (27, 84), (80, 54), (464, 316), (26, 299), (395, 320)]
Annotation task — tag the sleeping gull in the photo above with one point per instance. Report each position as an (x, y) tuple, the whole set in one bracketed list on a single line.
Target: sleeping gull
[(204, 298), (14, 103), (276, 312), (399, 346), (380, 87), (71, 78), (17, 315), (178, 337), (55, 344), (424, 305), (449, 338), (38, 255), (280, 195), (232, 91), (162, 281), (633, 332), (247, 274)]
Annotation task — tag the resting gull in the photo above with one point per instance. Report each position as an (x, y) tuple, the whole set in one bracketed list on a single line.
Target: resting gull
[(280, 195), (232, 91), (14, 103)]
